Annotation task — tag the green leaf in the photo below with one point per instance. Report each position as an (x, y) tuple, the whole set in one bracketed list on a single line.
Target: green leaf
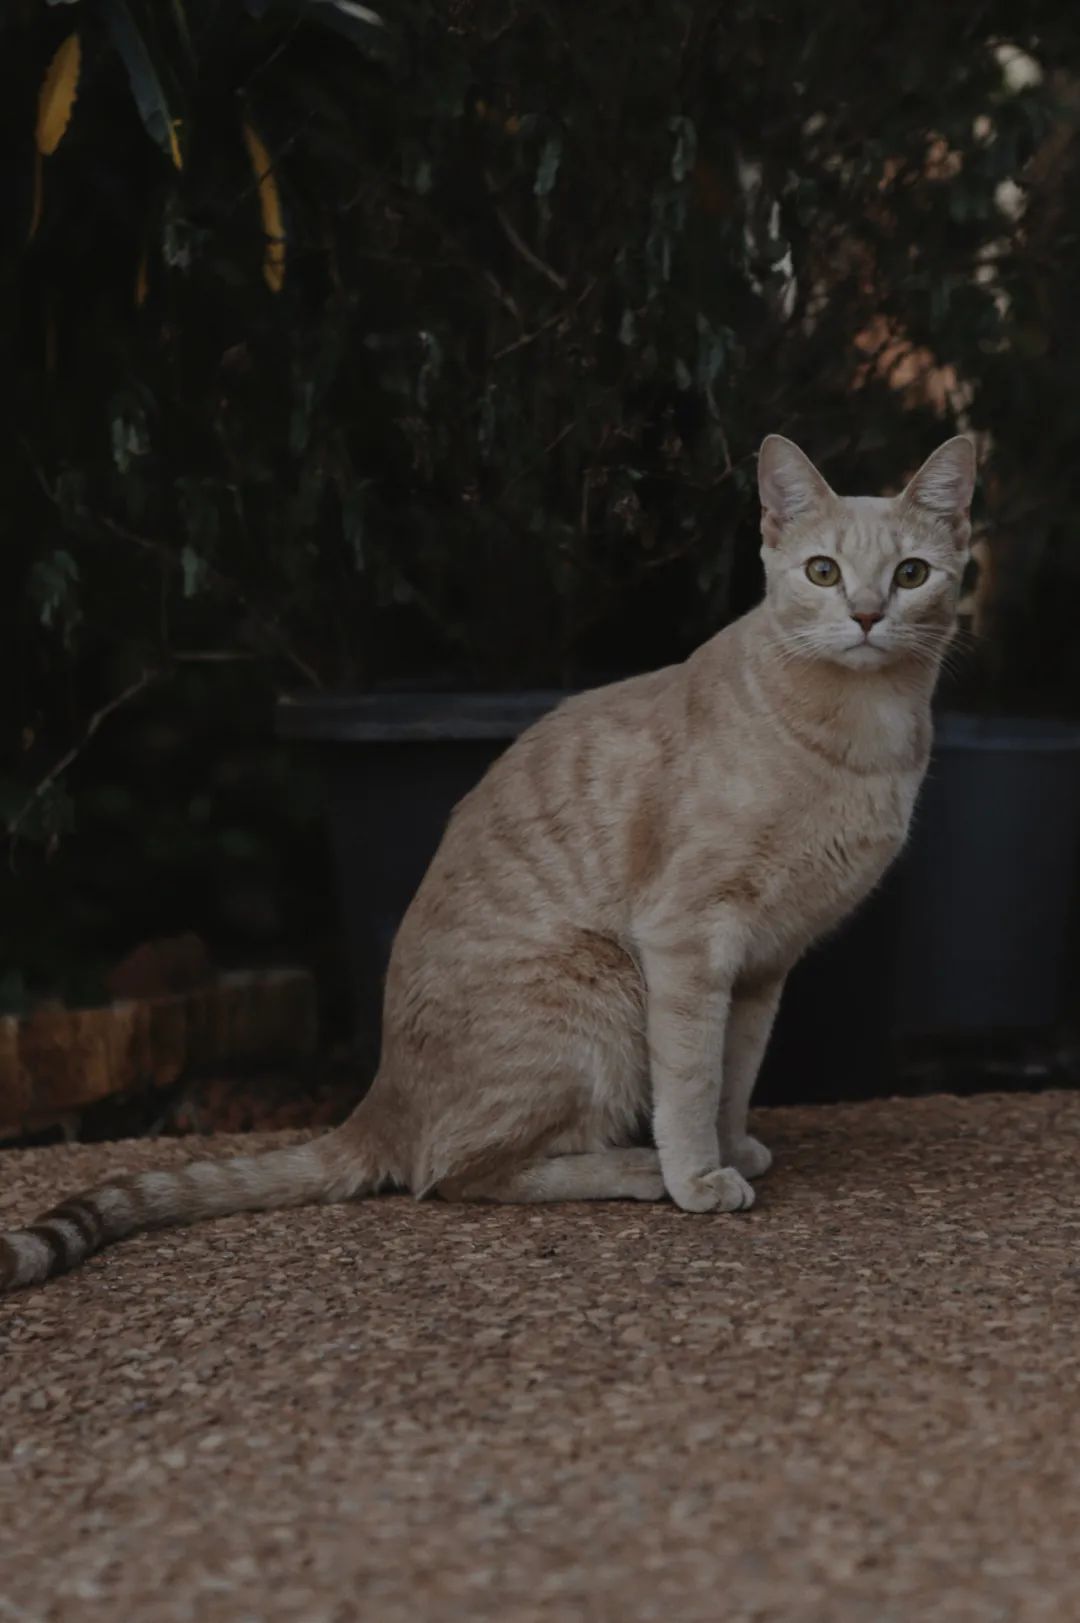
[(358, 23), (352, 8), (300, 417), (485, 428), (178, 239), (548, 168), (356, 12), (193, 571), (430, 369), (129, 439), (685, 154), (145, 84), (199, 507), (352, 524), (182, 28), (419, 174), (52, 586)]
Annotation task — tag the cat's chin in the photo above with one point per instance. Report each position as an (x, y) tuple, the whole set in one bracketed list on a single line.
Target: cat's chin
[(863, 656)]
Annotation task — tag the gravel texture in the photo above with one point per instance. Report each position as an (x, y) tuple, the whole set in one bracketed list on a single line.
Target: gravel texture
[(859, 1401)]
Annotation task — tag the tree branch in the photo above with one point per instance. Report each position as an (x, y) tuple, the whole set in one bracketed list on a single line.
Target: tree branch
[(518, 243), (545, 326), (158, 549), (224, 584), (130, 692)]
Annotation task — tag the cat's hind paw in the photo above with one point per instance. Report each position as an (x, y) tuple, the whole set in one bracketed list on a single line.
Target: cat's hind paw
[(750, 1157)]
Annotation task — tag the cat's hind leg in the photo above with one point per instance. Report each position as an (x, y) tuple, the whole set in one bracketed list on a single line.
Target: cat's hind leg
[(621, 1174)]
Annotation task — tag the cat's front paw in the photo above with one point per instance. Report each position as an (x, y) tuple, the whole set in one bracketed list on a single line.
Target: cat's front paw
[(721, 1189), (749, 1156)]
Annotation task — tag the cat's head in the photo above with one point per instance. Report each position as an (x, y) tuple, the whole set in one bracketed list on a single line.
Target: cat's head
[(864, 581)]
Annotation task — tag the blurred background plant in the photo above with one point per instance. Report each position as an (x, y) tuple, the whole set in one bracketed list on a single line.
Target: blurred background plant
[(433, 342)]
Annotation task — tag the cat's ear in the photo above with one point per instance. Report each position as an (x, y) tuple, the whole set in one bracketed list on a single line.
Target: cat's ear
[(789, 486), (945, 483)]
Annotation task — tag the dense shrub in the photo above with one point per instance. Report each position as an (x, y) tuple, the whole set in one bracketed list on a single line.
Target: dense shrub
[(436, 340)]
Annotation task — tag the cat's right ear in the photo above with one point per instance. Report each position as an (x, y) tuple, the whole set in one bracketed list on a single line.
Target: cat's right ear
[(789, 486)]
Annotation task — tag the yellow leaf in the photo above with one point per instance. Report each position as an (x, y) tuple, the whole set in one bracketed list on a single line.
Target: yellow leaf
[(270, 207), (57, 96), (174, 144)]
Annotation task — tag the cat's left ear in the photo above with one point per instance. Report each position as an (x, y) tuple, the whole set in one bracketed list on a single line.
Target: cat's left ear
[(945, 484)]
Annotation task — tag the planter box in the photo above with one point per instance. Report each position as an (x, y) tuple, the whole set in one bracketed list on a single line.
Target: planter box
[(986, 939), (968, 932), (57, 1061), (395, 766)]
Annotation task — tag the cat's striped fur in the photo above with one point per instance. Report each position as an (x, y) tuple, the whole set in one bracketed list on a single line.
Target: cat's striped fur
[(601, 940)]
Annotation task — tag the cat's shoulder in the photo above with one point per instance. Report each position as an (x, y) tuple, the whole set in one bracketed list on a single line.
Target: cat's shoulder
[(615, 707)]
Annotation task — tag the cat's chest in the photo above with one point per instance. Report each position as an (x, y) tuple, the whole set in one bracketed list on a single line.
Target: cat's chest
[(833, 848)]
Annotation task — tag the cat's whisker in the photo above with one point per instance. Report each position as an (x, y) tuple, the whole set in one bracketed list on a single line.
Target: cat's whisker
[(800, 644), (929, 648)]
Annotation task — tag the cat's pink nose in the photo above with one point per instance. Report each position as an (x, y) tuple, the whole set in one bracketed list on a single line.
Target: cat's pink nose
[(867, 621)]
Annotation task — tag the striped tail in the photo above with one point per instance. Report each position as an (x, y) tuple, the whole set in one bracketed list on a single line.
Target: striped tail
[(330, 1168)]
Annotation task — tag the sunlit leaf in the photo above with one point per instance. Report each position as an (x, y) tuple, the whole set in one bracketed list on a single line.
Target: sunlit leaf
[(57, 98), (270, 207)]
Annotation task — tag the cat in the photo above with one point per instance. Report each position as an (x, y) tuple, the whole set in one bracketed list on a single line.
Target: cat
[(601, 940)]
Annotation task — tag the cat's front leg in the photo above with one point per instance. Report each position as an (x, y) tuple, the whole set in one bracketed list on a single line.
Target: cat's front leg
[(749, 1025), (688, 1003)]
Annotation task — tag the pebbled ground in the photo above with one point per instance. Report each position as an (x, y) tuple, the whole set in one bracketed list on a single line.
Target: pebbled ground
[(859, 1401)]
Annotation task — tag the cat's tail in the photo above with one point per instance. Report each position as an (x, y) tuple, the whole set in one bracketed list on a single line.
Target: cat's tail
[(338, 1166)]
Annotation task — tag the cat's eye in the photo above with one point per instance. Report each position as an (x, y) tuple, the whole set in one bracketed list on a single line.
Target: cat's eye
[(912, 572), (823, 571)]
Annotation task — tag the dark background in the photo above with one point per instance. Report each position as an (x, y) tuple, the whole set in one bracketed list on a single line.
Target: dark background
[(486, 414)]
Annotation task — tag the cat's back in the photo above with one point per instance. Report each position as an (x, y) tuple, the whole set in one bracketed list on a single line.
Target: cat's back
[(580, 756), (549, 829)]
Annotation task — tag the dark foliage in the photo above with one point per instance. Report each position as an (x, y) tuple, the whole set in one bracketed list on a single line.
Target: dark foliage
[(487, 413)]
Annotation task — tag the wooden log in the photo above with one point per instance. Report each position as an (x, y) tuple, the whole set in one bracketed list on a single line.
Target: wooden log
[(56, 1060)]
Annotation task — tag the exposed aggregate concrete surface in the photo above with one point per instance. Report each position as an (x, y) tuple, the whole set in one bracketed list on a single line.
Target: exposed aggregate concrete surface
[(859, 1401)]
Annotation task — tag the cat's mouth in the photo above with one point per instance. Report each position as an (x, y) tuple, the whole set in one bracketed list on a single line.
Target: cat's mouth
[(864, 652)]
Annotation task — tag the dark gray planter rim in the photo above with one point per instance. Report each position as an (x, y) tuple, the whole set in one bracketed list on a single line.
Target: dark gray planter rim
[(366, 718), (376, 718), (1020, 735)]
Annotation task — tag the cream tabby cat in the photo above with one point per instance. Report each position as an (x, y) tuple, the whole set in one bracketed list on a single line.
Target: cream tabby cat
[(604, 933)]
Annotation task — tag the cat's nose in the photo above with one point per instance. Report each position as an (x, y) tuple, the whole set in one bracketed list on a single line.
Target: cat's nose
[(867, 621)]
